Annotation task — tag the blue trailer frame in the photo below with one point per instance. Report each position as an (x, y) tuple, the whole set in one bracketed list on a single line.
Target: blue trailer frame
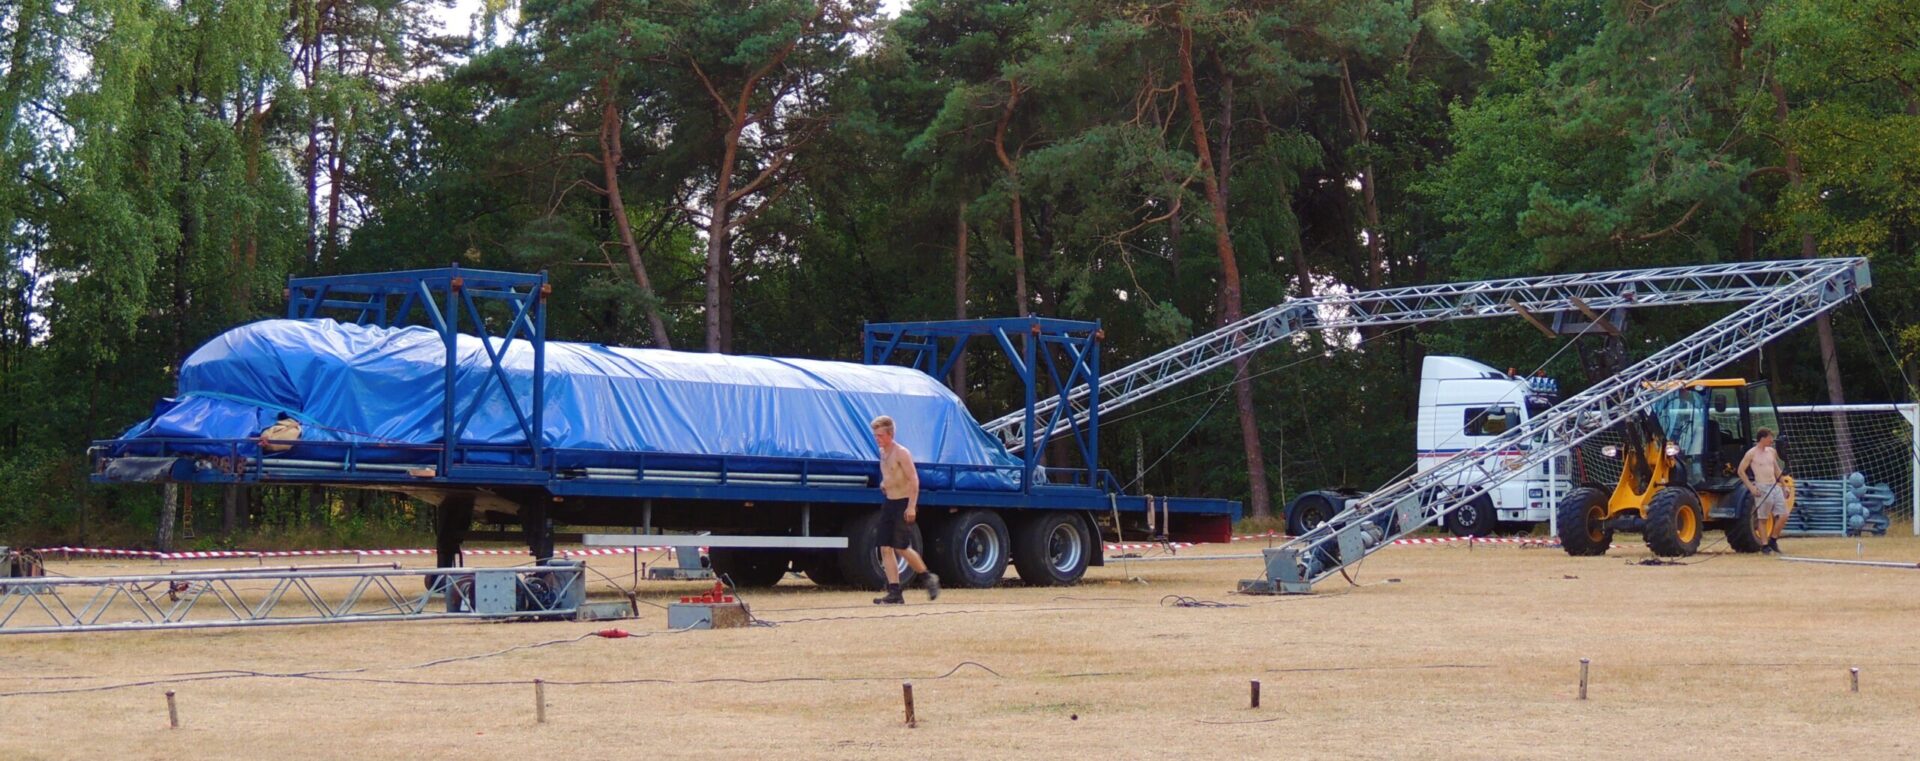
[(450, 300)]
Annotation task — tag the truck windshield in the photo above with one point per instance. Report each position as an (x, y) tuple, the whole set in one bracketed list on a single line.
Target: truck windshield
[(1679, 416)]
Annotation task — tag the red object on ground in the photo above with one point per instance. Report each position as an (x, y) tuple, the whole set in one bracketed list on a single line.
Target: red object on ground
[(612, 633)]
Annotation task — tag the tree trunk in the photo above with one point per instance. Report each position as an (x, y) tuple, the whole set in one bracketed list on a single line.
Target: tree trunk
[(230, 509), (959, 378), (718, 228), (169, 506), (611, 152), (1013, 186), (1823, 324), (1230, 306), (1357, 120)]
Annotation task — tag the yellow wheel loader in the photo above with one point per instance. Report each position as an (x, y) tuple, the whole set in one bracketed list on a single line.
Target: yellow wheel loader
[(1677, 478)]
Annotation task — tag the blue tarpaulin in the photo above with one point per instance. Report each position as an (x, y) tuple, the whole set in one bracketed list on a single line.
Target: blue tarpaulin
[(385, 386)]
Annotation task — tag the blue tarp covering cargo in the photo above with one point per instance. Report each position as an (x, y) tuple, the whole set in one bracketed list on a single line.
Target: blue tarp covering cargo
[(376, 385)]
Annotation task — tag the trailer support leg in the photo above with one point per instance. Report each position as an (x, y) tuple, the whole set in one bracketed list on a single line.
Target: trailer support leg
[(538, 528), (452, 518)]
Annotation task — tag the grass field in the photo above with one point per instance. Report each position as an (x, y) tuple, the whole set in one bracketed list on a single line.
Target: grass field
[(1472, 653)]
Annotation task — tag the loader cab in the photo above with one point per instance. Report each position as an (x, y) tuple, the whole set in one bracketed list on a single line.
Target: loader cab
[(1709, 426)]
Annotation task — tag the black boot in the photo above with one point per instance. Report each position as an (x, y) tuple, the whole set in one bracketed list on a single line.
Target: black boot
[(933, 586), (892, 597), (1773, 546)]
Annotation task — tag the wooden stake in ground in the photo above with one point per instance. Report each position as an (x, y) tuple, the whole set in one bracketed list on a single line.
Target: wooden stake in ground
[(1583, 678), (173, 712), (1855, 674), (906, 693), (539, 701), (1256, 694)]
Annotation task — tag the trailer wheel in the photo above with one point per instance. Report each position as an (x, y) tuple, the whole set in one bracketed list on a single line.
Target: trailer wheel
[(822, 568), (748, 568), (1475, 518), (1311, 509), (1583, 523), (860, 561), (1051, 549), (1743, 532), (1674, 524), (970, 549)]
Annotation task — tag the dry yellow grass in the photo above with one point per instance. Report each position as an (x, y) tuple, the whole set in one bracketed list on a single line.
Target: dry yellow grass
[(1473, 654)]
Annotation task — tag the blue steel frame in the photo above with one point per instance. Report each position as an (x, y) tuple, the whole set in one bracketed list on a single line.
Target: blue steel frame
[(388, 299), (1030, 344)]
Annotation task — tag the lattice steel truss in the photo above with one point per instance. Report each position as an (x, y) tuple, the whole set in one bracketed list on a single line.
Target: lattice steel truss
[(1592, 293), (1790, 294), (194, 600)]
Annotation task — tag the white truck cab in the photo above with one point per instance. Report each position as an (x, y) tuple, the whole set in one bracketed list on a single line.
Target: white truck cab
[(1464, 404)]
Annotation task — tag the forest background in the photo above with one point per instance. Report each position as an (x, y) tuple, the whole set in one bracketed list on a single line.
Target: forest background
[(763, 176)]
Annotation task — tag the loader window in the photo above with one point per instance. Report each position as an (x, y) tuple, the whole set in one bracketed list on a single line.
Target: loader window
[(1680, 418), (1760, 410)]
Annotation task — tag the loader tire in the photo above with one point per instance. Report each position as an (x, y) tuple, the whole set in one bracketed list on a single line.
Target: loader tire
[(1743, 530), (1583, 523), (1674, 523)]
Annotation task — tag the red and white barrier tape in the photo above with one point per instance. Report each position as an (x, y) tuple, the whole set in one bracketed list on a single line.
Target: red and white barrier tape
[(228, 554), (609, 551)]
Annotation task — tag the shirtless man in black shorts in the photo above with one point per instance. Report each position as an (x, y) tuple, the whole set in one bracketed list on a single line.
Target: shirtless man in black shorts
[(900, 484)]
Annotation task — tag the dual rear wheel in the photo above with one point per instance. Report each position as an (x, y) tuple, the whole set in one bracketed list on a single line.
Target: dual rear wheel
[(968, 549)]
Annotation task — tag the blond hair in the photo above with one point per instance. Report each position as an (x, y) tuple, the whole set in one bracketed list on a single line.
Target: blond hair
[(882, 423)]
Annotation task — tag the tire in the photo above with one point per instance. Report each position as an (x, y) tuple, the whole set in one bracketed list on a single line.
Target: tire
[(860, 561), (1051, 549), (749, 568), (1475, 518), (1742, 531), (822, 568), (1311, 509), (1583, 523), (1674, 522), (970, 549)]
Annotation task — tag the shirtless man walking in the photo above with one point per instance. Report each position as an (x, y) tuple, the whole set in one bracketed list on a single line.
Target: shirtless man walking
[(1769, 495), (900, 484)]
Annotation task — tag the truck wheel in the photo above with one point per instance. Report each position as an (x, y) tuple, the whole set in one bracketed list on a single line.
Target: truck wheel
[(822, 568), (970, 549), (1051, 549), (1475, 518), (748, 568), (1673, 522), (1743, 532), (1583, 523), (860, 561), (1312, 509)]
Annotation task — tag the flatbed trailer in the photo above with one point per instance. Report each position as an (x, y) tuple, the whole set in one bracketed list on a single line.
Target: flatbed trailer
[(1049, 525)]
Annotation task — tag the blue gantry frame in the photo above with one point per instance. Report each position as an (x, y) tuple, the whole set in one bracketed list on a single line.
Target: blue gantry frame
[(445, 295), (1067, 352)]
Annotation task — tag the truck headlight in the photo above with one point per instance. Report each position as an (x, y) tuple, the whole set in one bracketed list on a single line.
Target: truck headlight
[(1610, 451)]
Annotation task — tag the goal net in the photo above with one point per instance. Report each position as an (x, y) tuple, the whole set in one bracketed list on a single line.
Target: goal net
[(1824, 447)]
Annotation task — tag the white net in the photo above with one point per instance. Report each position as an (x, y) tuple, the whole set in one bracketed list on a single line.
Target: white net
[(1823, 447)]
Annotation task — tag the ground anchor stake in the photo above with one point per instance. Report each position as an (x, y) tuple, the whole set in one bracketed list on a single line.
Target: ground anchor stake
[(173, 712), (1583, 677), (1855, 674), (1256, 694), (906, 692), (539, 701)]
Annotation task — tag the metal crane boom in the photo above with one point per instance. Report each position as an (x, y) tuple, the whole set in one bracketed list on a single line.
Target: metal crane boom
[(1410, 503), (1737, 282)]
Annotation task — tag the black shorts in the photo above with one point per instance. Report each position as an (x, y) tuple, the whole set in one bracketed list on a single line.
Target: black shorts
[(894, 531)]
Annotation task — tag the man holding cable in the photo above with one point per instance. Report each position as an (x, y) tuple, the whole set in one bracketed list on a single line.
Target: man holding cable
[(1760, 471), (900, 485)]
